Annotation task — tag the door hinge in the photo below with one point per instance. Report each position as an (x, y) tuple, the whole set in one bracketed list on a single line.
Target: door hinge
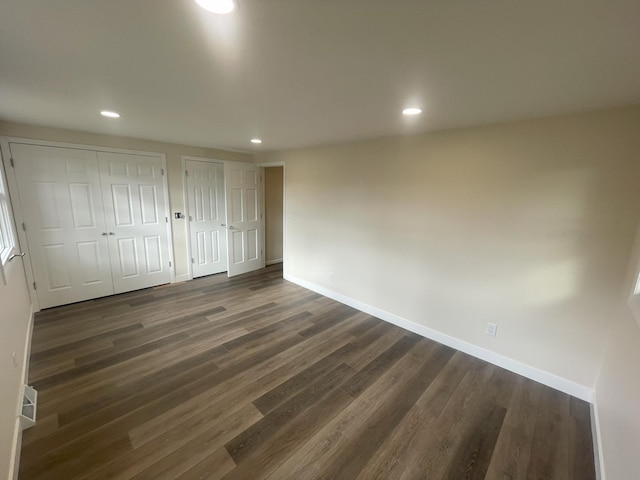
[(193, 261), (169, 263), (186, 173), (162, 171), (24, 227), (166, 219), (34, 286), (11, 162)]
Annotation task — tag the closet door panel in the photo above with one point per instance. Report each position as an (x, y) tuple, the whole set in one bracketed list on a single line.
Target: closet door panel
[(61, 203), (136, 219)]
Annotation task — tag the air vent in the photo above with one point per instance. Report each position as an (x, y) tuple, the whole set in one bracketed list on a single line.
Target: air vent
[(29, 405)]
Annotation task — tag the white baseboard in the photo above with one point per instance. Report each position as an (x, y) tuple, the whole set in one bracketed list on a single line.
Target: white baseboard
[(15, 453), (182, 278), (597, 441), (271, 262), (562, 384), (24, 375)]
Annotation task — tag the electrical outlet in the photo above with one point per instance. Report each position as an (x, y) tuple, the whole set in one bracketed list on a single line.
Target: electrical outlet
[(331, 276), (492, 329)]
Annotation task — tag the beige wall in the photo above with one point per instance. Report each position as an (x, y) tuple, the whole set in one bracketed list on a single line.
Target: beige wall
[(618, 400), (273, 206), (528, 225), (173, 154), (15, 313), (618, 386)]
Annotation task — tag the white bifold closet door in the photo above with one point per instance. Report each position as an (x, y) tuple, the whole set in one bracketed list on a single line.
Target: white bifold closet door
[(136, 220), (243, 217), (95, 222), (207, 233)]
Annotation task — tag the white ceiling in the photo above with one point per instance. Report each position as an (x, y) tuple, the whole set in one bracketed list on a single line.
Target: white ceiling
[(308, 72)]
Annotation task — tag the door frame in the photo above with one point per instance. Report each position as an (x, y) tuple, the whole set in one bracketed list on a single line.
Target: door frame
[(185, 200), (284, 211), (17, 207)]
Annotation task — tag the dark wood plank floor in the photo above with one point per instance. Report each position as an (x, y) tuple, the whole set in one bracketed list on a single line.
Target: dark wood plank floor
[(254, 377)]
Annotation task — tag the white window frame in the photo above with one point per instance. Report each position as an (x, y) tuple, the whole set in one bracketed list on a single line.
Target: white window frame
[(8, 240)]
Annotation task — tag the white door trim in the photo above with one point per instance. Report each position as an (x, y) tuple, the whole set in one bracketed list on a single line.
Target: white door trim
[(263, 219), (80, 146), (17, 208), (18, 218), (271, 164)]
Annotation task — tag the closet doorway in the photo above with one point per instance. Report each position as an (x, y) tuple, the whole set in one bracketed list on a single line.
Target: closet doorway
[(224, 205), (274, 214), (94, 222)]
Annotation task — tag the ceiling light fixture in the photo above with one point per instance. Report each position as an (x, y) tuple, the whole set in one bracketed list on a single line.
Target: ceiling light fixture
[(107, 113), (412, 111), (221, 7), (257, 141)]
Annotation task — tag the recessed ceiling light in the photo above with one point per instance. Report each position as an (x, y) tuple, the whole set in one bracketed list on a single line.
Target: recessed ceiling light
[(107, 113), (256, 140), (412, 111), (221, 7)]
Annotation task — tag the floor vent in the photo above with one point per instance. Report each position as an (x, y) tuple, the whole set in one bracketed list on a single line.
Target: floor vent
[(29, 404)]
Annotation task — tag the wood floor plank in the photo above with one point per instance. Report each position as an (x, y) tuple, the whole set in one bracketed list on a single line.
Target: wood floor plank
[(549, 452), (581, 454), (268, 457), (213, 467), (287, 389), (431, 456), (196, 450), (318, 452), (253, 377), (198, 429), (247, 385), (242, 445), (383, 362), (473, 454), (513, 447), (402, 443), (350, 461)]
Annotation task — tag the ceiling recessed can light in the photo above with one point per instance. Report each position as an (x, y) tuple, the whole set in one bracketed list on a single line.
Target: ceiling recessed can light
[(110, 114), (256, 140), (221, 7), (412, 111)]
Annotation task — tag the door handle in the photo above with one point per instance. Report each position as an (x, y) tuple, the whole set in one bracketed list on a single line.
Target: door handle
[(104, 234), (16, 255), (231, 227), (223, 224), (111, 233)]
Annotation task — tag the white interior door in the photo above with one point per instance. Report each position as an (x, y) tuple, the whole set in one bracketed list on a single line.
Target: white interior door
[(59, 191), (136, 220), (208, 238), (242, 190)]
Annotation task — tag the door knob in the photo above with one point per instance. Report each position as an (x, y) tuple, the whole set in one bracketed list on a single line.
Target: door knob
[(104, 234), (223, 224), (111, 233), (231, 227)]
